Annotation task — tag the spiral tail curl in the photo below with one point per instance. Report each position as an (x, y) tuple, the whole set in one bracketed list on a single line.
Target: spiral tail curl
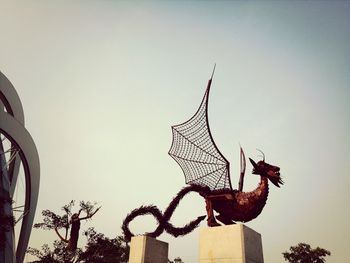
[(163, 219), (143, 210)]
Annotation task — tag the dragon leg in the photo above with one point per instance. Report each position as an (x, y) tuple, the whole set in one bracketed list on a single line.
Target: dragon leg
[(211, 218)]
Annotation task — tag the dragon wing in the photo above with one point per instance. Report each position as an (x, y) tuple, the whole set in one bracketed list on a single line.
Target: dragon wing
[(194, 149)]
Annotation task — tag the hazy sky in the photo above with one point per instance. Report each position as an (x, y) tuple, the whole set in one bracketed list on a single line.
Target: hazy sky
[(101, 83)]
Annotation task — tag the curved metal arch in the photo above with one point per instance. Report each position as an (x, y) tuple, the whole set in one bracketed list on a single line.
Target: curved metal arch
[(12, 126), (10, 100), (19, 136)]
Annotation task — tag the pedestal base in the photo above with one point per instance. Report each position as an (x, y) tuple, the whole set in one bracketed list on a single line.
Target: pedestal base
[(230, 244), (144, 249)]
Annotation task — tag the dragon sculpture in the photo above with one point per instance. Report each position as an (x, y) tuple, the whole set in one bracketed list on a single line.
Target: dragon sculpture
[(207, 172)]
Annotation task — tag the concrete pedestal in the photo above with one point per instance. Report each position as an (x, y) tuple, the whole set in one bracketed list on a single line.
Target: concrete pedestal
[(230, 244), (144, 249)]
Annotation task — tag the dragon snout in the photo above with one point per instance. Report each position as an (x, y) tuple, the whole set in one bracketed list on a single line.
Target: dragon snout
[(274, 171), (274, 176)]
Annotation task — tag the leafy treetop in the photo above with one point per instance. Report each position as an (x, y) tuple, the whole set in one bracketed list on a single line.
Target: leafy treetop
[(303, 253)]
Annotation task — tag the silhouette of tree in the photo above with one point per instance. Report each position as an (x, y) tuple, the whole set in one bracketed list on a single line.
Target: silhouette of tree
[(68, 221), (65, 250), (99, 249), (303, 253), (56, 255)]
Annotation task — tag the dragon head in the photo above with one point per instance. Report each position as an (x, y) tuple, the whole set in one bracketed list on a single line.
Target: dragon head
[(267, 170)]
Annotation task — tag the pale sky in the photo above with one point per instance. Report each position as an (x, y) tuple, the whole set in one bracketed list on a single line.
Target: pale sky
[(101, 83)]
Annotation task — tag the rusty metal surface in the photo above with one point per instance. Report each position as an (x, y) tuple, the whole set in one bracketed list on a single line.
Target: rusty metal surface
[(207, 172)]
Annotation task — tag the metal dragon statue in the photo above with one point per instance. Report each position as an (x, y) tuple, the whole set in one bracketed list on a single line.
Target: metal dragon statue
[(207, 172)]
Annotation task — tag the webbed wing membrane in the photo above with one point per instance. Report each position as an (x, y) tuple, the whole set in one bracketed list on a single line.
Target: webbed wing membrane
[(194, 149)]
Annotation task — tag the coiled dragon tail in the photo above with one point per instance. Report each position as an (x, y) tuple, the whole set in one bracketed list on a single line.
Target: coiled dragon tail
[(163, 218)]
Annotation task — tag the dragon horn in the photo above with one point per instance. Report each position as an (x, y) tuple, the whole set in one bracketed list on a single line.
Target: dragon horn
[(262, 154), (253, 163)]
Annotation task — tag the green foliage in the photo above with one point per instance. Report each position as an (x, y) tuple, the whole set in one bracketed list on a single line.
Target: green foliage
[(303, 253), (52, 221), (99, 249), (57, 255)]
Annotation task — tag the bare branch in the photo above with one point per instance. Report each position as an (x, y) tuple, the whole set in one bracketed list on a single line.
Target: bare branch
[(90, 215), (59, 235)]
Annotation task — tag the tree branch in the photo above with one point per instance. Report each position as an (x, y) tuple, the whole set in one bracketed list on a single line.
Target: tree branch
[(59, 235), (89, 215)]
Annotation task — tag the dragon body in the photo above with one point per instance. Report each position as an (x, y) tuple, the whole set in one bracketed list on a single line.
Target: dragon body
[(207, 172), (235, 205), (239, 206)]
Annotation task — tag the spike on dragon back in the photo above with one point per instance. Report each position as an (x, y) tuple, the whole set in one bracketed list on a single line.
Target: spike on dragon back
[(207, 172)]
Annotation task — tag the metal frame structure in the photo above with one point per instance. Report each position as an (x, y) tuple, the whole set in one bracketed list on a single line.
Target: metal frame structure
[(207, 172), (194, 149), (12, 128)]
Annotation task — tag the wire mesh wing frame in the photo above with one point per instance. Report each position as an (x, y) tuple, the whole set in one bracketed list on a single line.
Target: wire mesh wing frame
[(194, 149)]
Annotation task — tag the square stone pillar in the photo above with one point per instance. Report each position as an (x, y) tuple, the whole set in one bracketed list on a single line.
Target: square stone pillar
[(230, 244), (144, 249)]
